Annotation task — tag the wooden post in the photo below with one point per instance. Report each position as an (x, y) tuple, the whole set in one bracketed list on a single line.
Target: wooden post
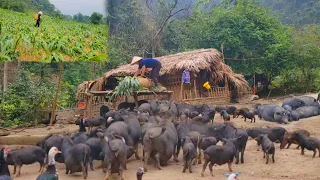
[(90, 107), (181, 91), (54, 105), (254, 84), (135, 96), (195, 89), (85, 111), (222, 51)]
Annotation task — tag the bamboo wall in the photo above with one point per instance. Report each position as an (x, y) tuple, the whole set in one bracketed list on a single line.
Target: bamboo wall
[(190, 92)]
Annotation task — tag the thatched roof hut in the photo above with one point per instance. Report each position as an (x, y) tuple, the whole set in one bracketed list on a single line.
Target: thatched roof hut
[(204, 65), (194, 61)]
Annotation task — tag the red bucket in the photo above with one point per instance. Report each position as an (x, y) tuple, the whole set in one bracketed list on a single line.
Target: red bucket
[(81, 104)]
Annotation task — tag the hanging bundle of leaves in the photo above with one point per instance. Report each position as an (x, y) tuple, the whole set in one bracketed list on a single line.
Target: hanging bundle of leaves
[(127, 86)]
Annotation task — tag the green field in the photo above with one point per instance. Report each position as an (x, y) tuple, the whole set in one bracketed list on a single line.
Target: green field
[(55, 40)]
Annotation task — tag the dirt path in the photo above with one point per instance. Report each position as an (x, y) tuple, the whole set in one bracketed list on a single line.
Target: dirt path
[(289, 163)]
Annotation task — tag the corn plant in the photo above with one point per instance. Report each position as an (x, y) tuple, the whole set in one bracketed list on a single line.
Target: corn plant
[(55, 39)]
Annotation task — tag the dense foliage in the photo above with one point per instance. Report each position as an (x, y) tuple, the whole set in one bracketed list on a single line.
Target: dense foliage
[(298, 12), (254, 33), (22, 103), (55, 40), (26, 100)]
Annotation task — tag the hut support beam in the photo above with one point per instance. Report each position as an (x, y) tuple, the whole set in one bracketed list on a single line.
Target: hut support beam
[(135, 96)]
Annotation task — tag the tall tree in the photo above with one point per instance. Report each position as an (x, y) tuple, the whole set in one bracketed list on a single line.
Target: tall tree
[(246, 29), (163, 13), (96, 18)]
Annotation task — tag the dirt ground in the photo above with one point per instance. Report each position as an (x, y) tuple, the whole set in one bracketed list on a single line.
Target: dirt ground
[(289, 164)]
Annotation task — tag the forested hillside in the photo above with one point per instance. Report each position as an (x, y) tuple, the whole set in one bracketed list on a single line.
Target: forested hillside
[(31, 6), (278, 38), (298, 12)]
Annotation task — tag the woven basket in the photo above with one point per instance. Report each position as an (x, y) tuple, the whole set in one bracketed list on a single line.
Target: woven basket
[(35, 16), (145, 82)]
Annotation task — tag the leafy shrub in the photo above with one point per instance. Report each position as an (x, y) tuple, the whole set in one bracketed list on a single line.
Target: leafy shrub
[(22, 103), (294, 80)]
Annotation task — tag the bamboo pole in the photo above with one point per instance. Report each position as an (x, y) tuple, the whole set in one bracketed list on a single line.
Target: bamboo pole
[(181, 91), (195, 89), (222, 51), (254, 84), (54, 105)]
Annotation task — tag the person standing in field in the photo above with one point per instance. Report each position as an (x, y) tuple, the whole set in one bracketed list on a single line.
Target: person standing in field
[(39, 18), (145, 63)]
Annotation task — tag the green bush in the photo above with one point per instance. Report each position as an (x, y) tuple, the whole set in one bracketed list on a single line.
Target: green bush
[(22, 103), (294, 80)]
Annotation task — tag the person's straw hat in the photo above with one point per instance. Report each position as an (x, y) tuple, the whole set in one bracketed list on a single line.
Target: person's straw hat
[(135, 59)]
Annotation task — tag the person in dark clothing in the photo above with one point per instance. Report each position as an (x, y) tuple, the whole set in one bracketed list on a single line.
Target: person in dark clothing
[(145, 63), (39, 18)]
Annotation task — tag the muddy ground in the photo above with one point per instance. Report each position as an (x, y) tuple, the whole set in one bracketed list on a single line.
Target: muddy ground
[(289, 163)]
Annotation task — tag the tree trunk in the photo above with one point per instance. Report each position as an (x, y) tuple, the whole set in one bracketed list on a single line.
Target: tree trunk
[(5, 76), (54, 105), (153, 49)]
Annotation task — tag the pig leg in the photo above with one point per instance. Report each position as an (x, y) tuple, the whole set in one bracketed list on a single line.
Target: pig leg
[(199, 156), (185, 165), (157, 156), (267, 158), (19, 170), (86, 168), (273, 157), (41, 166), (91, 163), (204, 167), (136, 153), (146, 158), (14, 169), (237, 156), (175, 155), (67, 170), (242, 154), (85, 175), (190, 166), (108, 173), (245, 119), (298, 147), (229, 166), (178, 146), (314, 153), (210, 168), (121, 174), (302, 150), (289, 144)]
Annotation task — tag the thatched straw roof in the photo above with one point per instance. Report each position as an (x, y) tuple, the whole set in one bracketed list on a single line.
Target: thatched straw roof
[(194, 61), (86, 86)]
